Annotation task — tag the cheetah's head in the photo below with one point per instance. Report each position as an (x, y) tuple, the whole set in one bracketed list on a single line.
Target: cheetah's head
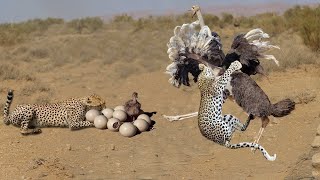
[(95, 101)]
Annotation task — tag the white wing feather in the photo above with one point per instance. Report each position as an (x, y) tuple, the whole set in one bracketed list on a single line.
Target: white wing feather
[(255, 37)]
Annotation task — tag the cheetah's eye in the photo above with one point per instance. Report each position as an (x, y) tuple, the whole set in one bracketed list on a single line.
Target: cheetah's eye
[(89, 100)]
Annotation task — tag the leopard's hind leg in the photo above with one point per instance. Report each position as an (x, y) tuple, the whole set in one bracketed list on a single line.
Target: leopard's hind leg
[(235, 124)]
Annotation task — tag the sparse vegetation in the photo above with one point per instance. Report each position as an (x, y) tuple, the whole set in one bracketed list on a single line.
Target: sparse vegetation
[(29, 89), (131, 46), (10, 72), (12, 33), (89, 24)]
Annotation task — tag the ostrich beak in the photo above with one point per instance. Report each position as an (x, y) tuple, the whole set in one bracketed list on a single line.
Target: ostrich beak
[(193, 12)]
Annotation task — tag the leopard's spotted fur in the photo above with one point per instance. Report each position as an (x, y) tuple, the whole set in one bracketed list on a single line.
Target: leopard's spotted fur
[(212, 124)]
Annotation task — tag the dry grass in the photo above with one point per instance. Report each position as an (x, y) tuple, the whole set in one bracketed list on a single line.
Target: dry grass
[(130, 47), (304, 97), (10, 72), (30, 89), (292, 53)]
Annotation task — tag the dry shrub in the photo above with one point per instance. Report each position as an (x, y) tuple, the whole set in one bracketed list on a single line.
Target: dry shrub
[(304, 97), (13, 33), (226, 19), (211, 20), (10, 72), (124, 18), (20, 50), (139, 45), (305, 20), (39, 53), (310, 30), (8, 38), (88, 24), (33, 88), (292, 53)]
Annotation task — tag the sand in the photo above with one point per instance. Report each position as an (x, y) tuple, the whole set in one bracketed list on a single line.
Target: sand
[(172, 150)]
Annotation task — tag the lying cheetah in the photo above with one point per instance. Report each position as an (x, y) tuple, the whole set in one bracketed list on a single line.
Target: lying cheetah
[(69, 113), (212, 124)]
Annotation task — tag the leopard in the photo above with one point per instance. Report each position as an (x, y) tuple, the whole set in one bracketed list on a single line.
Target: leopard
[(67, 113), (212, 124)]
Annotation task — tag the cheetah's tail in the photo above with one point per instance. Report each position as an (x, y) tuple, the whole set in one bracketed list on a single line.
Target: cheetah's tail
[(252, 145), (7, 107)]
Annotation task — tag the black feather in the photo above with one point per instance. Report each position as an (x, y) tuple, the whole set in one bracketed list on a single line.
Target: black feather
[(241, 50)]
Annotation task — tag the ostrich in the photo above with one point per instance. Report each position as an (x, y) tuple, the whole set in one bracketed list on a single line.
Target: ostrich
[(212, 124), (187, 49), (133, 108)]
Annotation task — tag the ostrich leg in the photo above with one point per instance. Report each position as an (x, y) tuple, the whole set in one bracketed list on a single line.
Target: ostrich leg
[(180, 117), (265, 121)]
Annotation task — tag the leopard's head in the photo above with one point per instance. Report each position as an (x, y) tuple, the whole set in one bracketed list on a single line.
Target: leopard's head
[(206, 78)]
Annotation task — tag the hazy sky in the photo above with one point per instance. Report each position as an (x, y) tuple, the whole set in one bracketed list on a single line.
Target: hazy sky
[(18, 10)]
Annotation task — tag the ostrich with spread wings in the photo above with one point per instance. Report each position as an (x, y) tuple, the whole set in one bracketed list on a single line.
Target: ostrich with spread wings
[(188, 48)]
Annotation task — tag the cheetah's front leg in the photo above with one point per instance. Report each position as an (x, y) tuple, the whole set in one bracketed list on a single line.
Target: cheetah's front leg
[(74, 124), (77, 121)]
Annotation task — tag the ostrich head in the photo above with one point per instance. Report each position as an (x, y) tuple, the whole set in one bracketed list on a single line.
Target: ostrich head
[(194, 10), (134, 95)]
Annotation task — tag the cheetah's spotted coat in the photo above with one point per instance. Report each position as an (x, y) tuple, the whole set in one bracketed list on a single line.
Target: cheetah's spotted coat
[(69, 113)]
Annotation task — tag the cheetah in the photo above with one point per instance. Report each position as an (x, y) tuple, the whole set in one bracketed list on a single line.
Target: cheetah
[(212, 124), (69, 113)]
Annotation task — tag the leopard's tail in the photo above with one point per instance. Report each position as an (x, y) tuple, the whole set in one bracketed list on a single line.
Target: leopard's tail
[(252, 145), (7, 107)]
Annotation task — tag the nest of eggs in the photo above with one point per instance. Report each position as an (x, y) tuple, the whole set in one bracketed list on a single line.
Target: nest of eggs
[(116, 120)]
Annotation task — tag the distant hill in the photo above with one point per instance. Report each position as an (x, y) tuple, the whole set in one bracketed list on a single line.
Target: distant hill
[(235, 9)]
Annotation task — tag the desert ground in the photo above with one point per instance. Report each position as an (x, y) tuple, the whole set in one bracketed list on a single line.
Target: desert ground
[(57, 64)]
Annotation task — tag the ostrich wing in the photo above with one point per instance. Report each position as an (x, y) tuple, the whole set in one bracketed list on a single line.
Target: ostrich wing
[(248, 49), (187, 48)]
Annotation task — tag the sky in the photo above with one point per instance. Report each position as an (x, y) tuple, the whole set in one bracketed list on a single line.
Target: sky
[(20, 10)]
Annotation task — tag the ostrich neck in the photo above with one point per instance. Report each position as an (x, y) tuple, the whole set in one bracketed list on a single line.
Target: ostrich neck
[(201, 21)]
